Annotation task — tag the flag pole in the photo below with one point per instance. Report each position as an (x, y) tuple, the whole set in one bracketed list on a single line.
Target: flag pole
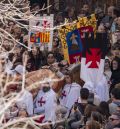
[(48, 3)]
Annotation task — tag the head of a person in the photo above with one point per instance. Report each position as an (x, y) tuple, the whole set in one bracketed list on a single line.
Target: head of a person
[(11, 23), (107, 64), (68, 77), (99, 12), (86, 8), (89, 109), (35, 50), (56, 42), (118, 21), (110, 11), (51, 58), (116, 13), (35, 7), (8, 29), (104, 108), (71, 12), (22, 113), (45, 87), (118, 108), (84, 93), (115, 118), (115, 94), (63, 65), (101, 28), (6, 45), (17, 51), (92, 125), (116, 52), (59, 18), (60, 127), (115, 64), (81, 13), (17, 30), (97, 117)]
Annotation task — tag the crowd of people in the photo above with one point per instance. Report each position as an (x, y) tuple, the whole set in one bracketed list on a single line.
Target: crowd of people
[(75, 106)]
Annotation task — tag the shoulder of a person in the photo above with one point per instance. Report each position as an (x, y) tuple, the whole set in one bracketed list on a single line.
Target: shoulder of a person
[(51, 93), (112, 104), (40, 92), (76, 84), (27, 94), (66, 86), (97, 97)]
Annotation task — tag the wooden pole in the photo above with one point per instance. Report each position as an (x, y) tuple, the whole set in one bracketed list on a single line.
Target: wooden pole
[(48, 9)]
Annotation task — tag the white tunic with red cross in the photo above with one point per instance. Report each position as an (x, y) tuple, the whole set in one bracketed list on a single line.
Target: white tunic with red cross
[(70, 94), (45, 103)]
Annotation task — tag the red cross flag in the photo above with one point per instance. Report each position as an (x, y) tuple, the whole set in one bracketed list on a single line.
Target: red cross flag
[(92, 61)]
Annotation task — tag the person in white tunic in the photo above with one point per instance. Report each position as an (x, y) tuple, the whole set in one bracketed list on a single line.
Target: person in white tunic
[(45, 103), (26, 101), (70, 93)]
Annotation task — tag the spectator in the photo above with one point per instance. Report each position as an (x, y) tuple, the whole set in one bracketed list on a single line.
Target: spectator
[(114, 121), (104, 110), (96, 116), (50, 59), (59, 19), (88, 111), (93, 97), (115, 67), (37, 57), (115, 15), (83, 99), (115, 96), (107, 20), (92, 125), (107, 69), (86, 9)]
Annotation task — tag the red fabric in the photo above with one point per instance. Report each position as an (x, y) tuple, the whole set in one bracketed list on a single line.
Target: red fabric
[(83, 30), (75, 57), (94, 57), (40, 120)]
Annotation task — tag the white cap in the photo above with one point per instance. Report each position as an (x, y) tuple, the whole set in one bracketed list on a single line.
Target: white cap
[(19, 69)]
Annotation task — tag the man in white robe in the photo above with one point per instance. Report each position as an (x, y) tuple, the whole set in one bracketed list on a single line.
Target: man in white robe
[(26, 101), (69, 96), (45, 103)]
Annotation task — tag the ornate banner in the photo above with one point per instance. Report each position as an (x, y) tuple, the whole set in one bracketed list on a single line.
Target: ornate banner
[(72, 37), (40, 31)]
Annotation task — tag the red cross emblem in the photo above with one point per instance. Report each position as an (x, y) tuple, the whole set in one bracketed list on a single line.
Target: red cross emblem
[(95, 57), (41, 101), (46, 24), (63, 94)]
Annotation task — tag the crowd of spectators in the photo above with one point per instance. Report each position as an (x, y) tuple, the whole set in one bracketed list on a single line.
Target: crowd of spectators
[(77, 106)]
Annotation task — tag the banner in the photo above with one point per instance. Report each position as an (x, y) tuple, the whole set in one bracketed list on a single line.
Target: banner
[(40, 31), (93, 57), (73, 35)]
